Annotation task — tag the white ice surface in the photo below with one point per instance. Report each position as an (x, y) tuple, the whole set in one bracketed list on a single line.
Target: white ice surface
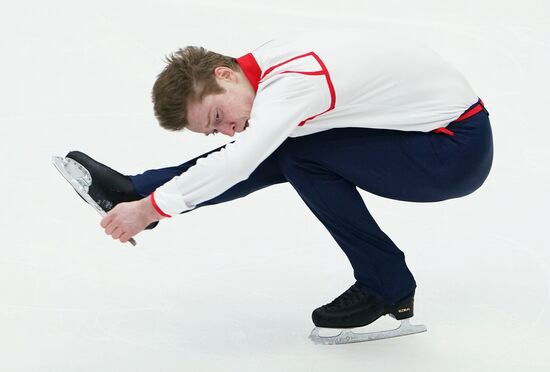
[(231, 287)]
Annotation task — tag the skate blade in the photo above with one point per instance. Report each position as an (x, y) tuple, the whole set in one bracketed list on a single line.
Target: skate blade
[(347, 336), (81, 180)]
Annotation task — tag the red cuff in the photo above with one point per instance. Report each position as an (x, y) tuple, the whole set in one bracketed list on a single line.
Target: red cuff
[(157, 208)]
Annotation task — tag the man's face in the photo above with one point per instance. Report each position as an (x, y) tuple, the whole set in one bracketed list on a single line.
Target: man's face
[(226, 113)]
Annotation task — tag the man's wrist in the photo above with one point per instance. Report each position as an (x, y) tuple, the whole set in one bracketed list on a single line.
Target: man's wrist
[(151, 214)]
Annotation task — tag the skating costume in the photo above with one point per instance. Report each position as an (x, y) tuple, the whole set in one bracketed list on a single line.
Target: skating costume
[(335, 112), (312, 84)]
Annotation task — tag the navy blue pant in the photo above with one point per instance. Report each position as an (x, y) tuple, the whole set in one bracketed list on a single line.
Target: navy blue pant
[(327, 167)]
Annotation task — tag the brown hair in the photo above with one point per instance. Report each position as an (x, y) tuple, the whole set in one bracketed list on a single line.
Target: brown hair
[(188, 76)]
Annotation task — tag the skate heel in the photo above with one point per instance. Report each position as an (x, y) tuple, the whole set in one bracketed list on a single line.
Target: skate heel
[(403, 309)]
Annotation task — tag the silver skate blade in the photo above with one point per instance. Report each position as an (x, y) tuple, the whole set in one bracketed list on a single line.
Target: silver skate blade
[(81, 180), (347, 336)]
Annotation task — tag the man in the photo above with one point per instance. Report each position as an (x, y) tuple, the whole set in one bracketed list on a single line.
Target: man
[(326, 113)]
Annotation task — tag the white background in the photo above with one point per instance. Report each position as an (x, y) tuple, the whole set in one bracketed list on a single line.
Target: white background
[(232, 287)]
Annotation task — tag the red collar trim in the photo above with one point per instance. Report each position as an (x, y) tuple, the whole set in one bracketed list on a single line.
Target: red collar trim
[(251, 69)]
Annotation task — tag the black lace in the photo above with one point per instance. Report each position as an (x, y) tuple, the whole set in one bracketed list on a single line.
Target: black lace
[(353, 295)]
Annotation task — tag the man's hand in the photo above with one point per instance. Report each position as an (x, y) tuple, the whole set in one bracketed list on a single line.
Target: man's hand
[(129, 219)]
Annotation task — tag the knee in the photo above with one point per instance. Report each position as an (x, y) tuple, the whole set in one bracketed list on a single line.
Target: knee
[(290, 157)]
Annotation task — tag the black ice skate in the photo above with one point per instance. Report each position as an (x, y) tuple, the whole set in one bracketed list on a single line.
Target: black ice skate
[(355, 308), (99, 185)]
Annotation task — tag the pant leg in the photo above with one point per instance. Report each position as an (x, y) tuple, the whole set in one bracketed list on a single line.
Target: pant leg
[(378, 265), (148, 181)]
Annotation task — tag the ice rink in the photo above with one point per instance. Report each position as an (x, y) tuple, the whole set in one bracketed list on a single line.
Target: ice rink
[(231, 287)]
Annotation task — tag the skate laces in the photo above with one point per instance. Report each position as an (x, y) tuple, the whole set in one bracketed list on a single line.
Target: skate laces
[(353, 295)]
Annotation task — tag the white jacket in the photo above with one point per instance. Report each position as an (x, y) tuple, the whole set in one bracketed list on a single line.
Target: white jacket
[(313, 83)]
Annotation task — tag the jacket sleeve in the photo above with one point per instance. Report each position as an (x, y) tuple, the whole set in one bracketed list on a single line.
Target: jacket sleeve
[(281, 103)]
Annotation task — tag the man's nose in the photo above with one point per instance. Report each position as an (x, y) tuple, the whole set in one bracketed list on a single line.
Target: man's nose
[(227, 129)]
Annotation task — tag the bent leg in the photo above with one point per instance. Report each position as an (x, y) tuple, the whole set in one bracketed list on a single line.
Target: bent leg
[(378, 265), (326, 167)]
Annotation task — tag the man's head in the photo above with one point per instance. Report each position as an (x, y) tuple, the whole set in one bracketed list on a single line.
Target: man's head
[(203, 91)]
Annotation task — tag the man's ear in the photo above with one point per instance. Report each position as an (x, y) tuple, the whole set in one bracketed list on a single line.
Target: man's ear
[(224, 73)]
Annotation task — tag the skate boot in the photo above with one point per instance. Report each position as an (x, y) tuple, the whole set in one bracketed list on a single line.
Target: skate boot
[(99, 185), (357, 308)]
